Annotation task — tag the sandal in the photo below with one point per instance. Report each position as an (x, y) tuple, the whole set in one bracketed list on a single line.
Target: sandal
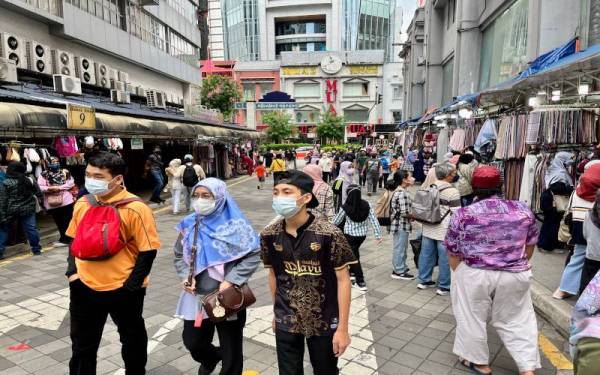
[(471, 366)]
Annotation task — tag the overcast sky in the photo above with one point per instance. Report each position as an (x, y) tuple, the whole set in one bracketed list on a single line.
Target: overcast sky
[(408, 10)]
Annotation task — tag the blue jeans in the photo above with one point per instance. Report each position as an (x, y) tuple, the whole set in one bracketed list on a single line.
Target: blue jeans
[(571, 277), (30, 227), (399, 257), (159, 182), (429, 249)]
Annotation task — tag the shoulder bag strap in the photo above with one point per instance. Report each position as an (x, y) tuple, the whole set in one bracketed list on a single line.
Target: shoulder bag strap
[(193, 254)]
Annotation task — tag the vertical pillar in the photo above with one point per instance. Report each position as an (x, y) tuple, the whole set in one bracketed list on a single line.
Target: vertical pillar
[(251, 115)]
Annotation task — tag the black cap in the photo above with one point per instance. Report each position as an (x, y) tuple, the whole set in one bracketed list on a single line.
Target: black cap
[(300, 180)]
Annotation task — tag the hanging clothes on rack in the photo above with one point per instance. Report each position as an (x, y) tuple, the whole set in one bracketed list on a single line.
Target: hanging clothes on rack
[(562, 126), (457, 141)]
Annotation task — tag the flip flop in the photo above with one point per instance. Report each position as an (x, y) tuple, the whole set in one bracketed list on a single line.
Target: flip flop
[(472, 367)]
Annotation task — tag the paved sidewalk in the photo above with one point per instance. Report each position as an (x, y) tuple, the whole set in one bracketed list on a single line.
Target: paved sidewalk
[(396, 329)]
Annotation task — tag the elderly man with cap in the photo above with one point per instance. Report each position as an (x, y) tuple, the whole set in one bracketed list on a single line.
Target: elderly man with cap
[(308, 260), (489, 245), (190, 174)]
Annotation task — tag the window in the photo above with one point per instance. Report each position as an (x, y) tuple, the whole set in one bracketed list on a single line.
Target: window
[(504, 46), (447, 81), (249, 91), (307, 116), (450, 13), (355, 89), (182, 49), (184, 8), (265, 88), (300, 27), (397, 116), (356, 115), (307, 90), (397, 93)]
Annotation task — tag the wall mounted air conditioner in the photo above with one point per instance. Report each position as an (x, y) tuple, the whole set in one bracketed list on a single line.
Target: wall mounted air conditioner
[(123, 77), (156, 99), (140, 91), (85, 70), (63, 62), (67, 84), (39, 58), (102, 75), (420, 60), (8, 71), (117, 85), (117, 96), (12, 47)]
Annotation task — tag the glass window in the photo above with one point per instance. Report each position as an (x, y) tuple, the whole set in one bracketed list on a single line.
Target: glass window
[(397, 116), (504, 46), (447, 80), (249, 91), (354, 89), (397, 92), (184, 8), (307, 90), (361, 115), (265, 88), (307, 116)]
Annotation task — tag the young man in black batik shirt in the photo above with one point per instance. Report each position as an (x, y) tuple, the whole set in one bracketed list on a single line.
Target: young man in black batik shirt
[(309, 280)]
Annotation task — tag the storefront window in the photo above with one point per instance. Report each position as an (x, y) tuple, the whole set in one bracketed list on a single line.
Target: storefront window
[(354, 89), (306, 90), (504, 46)]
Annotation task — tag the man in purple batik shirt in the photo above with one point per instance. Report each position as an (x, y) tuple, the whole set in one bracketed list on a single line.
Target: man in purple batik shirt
[(489, 244)]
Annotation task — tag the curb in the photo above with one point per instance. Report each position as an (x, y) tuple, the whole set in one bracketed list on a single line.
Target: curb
[(556, 312)]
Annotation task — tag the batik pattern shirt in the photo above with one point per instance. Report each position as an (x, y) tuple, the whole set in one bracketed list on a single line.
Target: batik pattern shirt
[(492, 234), (306, 299), (585, 321)]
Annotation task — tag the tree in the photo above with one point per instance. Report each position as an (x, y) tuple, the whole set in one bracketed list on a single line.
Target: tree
[(220, 92), (331, 128), (279, 125)]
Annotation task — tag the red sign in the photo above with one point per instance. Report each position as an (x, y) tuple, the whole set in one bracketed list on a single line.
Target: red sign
[(331, 90)]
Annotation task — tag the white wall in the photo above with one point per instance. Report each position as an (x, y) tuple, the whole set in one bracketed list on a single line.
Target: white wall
[(33, 30), (392, 77)]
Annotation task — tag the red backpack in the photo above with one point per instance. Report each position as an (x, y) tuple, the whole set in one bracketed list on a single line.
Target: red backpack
[(98, 234)]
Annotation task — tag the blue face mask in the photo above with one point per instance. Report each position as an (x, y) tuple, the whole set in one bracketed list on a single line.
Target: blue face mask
[(96, 187), (286, 207), (54, 167)]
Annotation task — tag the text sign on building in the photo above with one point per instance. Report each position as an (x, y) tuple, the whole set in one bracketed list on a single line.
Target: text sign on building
[(137, 144), (80, 117), (363, 69), (299, 71), (273, 105), (239, 105)]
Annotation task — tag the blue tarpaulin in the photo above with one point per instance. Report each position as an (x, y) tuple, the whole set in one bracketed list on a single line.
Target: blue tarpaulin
[(544, 61)]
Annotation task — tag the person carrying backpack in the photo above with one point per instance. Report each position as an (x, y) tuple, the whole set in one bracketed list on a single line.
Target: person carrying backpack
[(114, 245), (373, 167), (401, 226), (190, 174), (385, 170), (433, 207)]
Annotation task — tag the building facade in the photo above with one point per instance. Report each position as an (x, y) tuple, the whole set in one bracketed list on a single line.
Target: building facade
[(216, 45), (457, 47)]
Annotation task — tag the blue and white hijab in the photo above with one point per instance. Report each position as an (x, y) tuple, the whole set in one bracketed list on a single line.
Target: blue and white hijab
[(225, 234)]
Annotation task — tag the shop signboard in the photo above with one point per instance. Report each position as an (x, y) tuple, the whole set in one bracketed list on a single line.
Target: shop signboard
[(239, 105), (299, 71), (137, 144), (81, 117), (275, 105), (363, 69)]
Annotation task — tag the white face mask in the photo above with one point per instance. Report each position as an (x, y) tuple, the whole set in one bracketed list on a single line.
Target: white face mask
[(204, 207)]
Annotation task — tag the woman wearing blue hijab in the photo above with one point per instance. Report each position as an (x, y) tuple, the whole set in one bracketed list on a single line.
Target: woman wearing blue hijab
[(227, 254)]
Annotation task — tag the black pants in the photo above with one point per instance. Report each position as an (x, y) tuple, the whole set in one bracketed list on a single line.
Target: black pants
[(326, 176), (383, 180), (290, 352), (198, 340), (89, 310), (362, 178), (590, 268), (356, 269), (62, 217)]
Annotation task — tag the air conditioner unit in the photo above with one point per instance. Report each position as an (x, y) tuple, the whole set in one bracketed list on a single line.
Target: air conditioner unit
[(140, 91), (67, 84), (102, 75), (117, 96), (13, 48), (123, 77), (420, 60), (86, 70), (63, 62), (156, 99), (117, 85), (8, 71), (39, 57)]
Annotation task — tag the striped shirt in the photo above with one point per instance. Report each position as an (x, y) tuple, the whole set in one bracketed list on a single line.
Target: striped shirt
[(355, 229)]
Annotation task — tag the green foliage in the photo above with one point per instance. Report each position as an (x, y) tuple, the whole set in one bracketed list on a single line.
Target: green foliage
[(220, 92), (283, 146), (279, 123), (345, 147), (330, 128)]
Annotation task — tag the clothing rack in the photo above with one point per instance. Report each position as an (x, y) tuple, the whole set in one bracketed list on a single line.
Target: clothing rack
[(19, 144)]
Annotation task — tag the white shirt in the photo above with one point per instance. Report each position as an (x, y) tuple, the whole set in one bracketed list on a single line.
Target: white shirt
[(325, 164)]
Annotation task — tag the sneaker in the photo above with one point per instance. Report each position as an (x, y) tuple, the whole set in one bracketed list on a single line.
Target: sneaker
[(352, 277), (362, 286), (37, 252), (429, 284), (60, 244), (402, 276), (442, 292)]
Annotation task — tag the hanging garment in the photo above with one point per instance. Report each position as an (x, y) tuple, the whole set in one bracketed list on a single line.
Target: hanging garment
[(528, 181), (457, 141), (66, 146), (486, 134)]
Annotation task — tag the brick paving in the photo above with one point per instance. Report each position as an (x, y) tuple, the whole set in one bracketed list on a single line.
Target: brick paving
[(396, 329)]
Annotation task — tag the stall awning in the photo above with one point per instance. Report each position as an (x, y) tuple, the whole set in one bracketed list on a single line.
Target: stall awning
[(18, 119)]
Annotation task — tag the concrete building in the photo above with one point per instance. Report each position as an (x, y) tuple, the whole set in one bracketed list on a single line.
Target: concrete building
[(152, 46), (215, 31), (456, 47)]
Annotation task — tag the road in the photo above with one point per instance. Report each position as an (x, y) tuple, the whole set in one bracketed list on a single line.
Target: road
[(396, 329)]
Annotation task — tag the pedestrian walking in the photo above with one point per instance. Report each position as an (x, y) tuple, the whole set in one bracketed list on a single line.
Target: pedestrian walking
[(579, 204), (18, 196), (218, 248), (277, 167), (308, 261), (154, 167), (269, 155), (190, 173), (322, 191), (553, 203), (326, 163), (432, 245), (347, 177), (289, 160), (466, 165), (585, 330), (354, 219), (394, 164), (373, 170), (57, 185), (260, 175), (385, 170), (489, 246), (591, 233), (247, 164), (361, 162), (114, 285), (401, 224), (174, 183)]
